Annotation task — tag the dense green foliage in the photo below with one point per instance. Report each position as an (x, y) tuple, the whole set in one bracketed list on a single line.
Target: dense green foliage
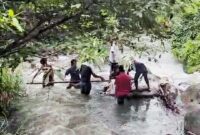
[(186, 34), (10, 87), (30, 23), (26, 27)]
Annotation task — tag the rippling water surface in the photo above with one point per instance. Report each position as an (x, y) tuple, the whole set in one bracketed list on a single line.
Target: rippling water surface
[(57, 111)]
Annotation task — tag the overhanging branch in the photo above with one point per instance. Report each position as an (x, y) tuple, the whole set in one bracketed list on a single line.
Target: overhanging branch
[(37, 31)]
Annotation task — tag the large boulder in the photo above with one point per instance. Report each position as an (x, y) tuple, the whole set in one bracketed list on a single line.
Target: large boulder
[(192, 95), (191, 100), (192, 122)]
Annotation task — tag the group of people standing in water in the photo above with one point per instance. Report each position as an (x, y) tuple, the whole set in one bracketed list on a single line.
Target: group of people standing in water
[(81, 77)]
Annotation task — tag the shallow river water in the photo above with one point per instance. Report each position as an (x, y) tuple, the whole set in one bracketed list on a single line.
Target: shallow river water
[(57, 111)]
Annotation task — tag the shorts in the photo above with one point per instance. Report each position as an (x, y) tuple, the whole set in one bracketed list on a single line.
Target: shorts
[(113, 65), (85, 88)]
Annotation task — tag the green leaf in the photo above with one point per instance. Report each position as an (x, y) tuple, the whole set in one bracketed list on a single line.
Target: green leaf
[(76, 6), (15, 23), (11, 13)]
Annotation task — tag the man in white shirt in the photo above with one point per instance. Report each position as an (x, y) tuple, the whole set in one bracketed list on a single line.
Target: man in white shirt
[(113, 55)]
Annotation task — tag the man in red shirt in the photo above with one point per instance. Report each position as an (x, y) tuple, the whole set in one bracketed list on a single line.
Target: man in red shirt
[(123, 85)]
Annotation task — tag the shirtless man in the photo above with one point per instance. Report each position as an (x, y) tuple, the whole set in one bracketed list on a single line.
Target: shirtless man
[(48, 73)]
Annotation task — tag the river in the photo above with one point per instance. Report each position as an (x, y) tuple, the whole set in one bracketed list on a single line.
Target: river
[(57, 111)]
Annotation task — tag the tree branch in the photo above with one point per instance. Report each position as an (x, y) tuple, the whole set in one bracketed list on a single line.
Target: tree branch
[(35, 32)]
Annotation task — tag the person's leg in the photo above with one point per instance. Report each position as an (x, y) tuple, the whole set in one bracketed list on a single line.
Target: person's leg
[(111, 68), (88, 88), (120, 100), (82, 88), (51, 78), (43, 79), (137, 75), (43, 82), (146, 79), (69, 86)]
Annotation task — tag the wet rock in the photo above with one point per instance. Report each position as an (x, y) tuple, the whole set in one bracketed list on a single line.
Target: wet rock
[(192, 122), (191, 100), (192, 95)]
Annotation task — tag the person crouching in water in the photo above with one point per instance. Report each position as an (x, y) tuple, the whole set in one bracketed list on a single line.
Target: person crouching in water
[(123, 85), (48, 73), (86, 72), (109, 89), (140, 68), (74, 73)]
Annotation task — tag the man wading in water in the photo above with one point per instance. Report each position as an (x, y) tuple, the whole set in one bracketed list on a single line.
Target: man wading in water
[(140, 69), (74, 73), (48, 73), (86, 72)]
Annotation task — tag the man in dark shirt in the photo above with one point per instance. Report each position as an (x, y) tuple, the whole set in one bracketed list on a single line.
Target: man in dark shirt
[(86, 72), (140, 68), (74, 73), (114, 72)]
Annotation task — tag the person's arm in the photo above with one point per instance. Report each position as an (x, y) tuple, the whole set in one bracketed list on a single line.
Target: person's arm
[(131, 78), (130, 68), (97, 76), (36, 74), (67, 72)]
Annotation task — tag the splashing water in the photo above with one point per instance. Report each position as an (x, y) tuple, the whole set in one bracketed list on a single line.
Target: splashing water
[(57, 111)]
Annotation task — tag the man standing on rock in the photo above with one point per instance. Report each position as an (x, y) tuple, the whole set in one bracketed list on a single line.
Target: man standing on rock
[(113, 55), (86, 72), (140, 69)]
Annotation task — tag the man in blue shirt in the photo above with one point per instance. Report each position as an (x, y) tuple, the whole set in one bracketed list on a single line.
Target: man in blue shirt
[(74, 73)]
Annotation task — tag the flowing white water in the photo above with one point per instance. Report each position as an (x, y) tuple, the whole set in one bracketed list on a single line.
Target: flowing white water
[(57, 111), (166, 66)]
